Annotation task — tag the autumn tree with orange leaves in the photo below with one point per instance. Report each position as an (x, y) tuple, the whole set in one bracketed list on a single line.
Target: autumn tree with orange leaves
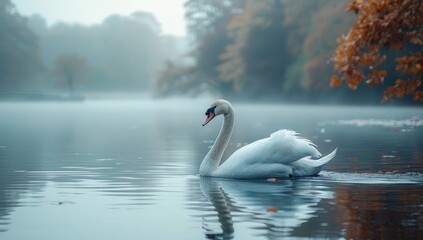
[(381, 25)]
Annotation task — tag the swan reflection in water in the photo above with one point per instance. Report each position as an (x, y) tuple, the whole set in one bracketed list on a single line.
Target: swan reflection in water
[(272, 208)]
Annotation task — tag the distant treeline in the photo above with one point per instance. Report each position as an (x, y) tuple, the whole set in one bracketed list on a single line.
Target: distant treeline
[(240, 49), (265, 50), (123, 53)]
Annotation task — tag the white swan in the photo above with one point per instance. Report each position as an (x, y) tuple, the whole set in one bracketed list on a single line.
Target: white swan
[(283, 154)]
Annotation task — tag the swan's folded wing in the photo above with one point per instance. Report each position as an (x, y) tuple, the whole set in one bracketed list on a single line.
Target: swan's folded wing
[(283, 147), (291, 146)]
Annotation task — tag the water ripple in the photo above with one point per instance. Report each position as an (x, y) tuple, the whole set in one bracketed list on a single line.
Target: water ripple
[(371, 178)]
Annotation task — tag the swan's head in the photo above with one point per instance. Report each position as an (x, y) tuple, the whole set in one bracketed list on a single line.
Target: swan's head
[(216, 108)]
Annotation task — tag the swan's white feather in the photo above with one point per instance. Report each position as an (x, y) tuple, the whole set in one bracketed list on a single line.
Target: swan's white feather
[(274, 156)]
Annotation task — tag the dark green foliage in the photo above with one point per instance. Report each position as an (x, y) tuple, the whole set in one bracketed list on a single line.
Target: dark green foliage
[(20, 61)]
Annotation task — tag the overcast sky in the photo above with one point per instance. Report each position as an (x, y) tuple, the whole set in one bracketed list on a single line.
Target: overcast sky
[(169, 13)]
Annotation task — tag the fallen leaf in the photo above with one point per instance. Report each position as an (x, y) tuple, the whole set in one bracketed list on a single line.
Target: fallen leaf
[(272, 209)]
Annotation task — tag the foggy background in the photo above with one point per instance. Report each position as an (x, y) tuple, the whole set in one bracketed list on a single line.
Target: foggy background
[(276, 50)]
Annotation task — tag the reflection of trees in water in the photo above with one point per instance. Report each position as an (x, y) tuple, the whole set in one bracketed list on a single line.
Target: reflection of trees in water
[(307, 208), (11, 188), (82, 149), (14, 184), (380, 211), (236, 202), (16, 154)]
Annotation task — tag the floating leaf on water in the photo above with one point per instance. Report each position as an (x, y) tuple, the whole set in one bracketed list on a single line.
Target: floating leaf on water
[(272, 209)]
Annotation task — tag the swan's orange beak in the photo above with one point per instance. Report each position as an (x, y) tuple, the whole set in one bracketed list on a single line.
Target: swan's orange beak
[(209, 117)]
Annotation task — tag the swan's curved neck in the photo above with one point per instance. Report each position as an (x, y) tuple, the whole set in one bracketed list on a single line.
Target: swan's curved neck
[(214, 156)]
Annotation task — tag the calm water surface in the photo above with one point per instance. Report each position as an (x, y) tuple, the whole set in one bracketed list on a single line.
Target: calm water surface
[(128, 170)]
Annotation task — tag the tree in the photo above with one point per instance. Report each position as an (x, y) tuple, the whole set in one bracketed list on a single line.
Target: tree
[(233, 66), (312, 28), (124, 52), (131, 50), (20, 60), (266, 49), (70, 67), (385, 29), (206, 24), (256, 60), (205, 17)]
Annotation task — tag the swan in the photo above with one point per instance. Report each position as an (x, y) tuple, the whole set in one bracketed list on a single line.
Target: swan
[(282, 155)]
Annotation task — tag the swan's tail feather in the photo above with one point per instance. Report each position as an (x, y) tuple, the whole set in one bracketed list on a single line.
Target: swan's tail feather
[(323, 160), (309, 167)]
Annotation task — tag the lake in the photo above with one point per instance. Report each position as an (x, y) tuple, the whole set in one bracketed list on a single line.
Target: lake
[(127, 169)]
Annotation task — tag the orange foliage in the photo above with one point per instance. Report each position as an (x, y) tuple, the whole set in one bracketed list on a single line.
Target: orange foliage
[(335, 81), (382, 24)]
